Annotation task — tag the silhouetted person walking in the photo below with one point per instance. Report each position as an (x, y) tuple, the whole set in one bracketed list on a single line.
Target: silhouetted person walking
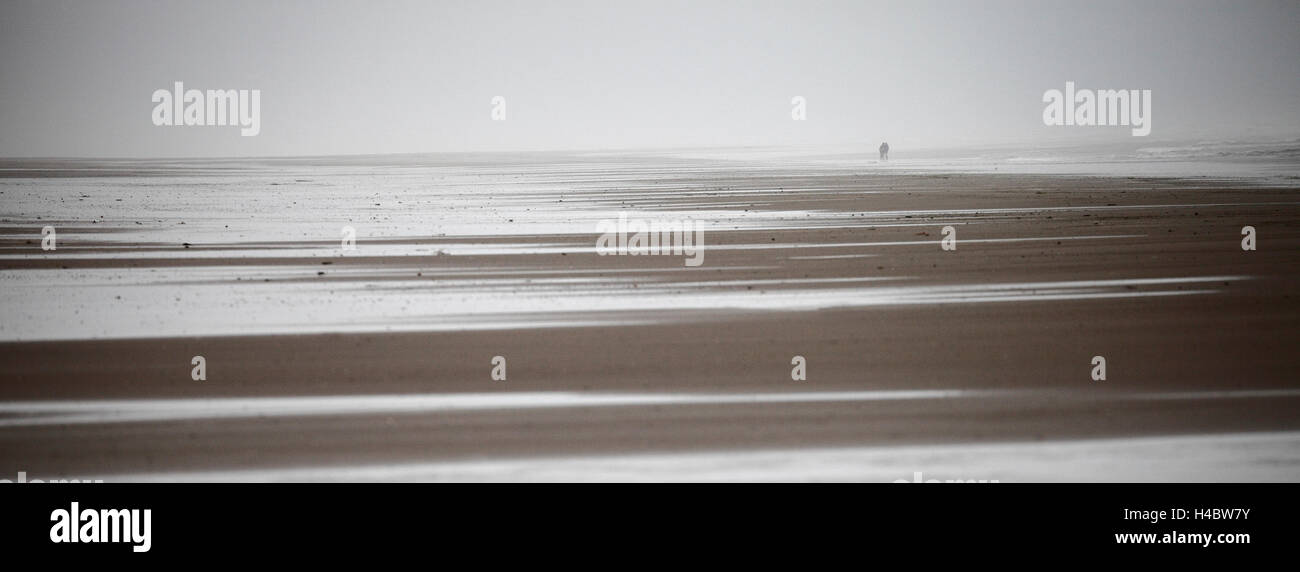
[(884, 151)]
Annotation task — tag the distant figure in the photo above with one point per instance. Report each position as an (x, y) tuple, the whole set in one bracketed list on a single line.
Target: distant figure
[(884, 151)]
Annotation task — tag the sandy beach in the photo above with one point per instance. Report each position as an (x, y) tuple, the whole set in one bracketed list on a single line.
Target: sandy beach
[(375, 363)]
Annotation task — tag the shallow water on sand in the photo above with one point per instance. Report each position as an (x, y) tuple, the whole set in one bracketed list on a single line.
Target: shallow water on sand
[(455, 244)]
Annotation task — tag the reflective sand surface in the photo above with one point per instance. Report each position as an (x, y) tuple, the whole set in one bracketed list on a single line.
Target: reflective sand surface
[(374, 363)]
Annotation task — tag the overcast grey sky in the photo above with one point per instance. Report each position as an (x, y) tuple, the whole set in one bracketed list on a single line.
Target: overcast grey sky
[(347, 77)]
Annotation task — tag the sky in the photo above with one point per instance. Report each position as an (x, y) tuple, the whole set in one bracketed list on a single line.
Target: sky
[(369, 77)]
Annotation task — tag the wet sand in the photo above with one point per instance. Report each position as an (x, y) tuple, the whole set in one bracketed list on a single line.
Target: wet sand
[(640, 368)]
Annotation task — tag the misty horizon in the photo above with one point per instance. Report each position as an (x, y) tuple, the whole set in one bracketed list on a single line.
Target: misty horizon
[(342, 79)]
